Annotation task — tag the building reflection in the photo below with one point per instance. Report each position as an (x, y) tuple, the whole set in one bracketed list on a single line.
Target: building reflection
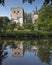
[(18, 51), (34, 49), (22, 47)]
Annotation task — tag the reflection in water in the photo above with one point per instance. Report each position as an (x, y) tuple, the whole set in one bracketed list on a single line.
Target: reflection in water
[(34, 49), (3, 54), (18, 51), (26, 52), (44, 51)]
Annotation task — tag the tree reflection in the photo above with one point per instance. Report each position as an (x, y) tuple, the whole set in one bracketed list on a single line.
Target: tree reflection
[(3, 54), (44, 50), (44, 47)]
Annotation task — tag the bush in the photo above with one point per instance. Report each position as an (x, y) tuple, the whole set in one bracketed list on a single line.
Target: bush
[(25, 33)]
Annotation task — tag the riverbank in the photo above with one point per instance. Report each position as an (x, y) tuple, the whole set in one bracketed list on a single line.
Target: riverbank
[(25, 34)]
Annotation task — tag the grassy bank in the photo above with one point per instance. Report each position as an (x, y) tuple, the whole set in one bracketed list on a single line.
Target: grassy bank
[(25, 34)]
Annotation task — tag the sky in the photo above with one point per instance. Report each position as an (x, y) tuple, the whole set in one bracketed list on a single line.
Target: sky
[(5, 10)]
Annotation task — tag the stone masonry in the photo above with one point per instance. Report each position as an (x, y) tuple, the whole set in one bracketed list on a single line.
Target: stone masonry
[(17, 15)]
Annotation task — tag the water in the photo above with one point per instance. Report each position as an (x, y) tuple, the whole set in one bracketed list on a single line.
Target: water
[(26, 52)]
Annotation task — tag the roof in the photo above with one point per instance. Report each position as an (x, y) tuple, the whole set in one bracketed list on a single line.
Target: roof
[(17, 8)]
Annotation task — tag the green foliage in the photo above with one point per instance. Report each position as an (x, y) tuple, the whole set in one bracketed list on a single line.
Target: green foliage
[(28, 17), (25, 34), (45, 18), (20, 28), (12, 25), (28, 26), (4, 22)]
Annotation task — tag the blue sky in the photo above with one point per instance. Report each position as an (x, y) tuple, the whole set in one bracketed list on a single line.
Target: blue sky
[(5, 11)]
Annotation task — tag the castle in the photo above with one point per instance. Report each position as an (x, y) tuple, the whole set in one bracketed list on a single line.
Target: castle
[(17, 15)]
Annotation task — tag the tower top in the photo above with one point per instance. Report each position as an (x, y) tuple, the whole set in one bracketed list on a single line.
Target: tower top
[(35, 11)]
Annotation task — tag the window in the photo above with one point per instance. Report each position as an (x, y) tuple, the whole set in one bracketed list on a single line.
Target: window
[(17, 11), (14, 11)]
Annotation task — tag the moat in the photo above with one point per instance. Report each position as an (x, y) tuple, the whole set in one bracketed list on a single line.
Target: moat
[(26, 52)]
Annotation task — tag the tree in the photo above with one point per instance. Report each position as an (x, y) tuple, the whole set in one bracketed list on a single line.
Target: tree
[(12, 25), (2, 2), (44, 21), (44, 50), (4, 22), (28, 21), (29, 1), (28, 26), (28, 17), (47, 1), (3, 52)]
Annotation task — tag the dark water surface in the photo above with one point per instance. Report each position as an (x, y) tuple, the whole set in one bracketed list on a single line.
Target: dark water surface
[(26, 52)]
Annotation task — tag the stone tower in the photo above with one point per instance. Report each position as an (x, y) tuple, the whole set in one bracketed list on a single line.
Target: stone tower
[(34, 16), (17, 15)]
